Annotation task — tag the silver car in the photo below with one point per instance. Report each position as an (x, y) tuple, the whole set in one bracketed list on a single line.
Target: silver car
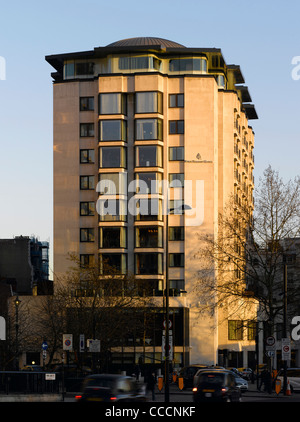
[(241, 383)]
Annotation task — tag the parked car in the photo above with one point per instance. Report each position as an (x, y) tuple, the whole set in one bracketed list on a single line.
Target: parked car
[(216, 385), (111, 388), (241, 383), (247, 373), (293, 376), (35, 368)]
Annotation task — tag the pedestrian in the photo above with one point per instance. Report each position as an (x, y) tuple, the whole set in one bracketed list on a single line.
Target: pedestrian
[(151, 384), (262, 377), (268, 382), (137, 372)]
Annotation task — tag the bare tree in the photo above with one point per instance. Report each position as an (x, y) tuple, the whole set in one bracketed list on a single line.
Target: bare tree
[(243, 264)]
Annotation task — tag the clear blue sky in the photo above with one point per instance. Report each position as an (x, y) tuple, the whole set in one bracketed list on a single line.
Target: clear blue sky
[(260, 36)]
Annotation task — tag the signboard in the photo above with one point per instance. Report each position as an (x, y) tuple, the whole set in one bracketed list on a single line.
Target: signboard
[(163, 347), (68, 342), (50, 377), (81, 343), (44, 345), (94, 346), (285, 349), (270, 343), (2, 329)]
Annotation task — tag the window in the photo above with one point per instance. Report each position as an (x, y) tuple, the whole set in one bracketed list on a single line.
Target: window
[(86, 103), (176, 100), (84, 68), (112, 103), (176, 153), (148, 102), (148, 129), (176, 260), (176, 206), (87, 156), (148, 209), (87, 182), (235, 330), (87, 235), (148, 263), (181, 65), (176, 233), (251, 330), (176, 180), (144, 62), (148, 156), (87, 208), (87, 260), (147, 183), (149, 237), (112, 130), (87, 130), (176, 127), (112, 184), (110, 157), (177, 285), (112, 209), (113, 263), (112, 237)]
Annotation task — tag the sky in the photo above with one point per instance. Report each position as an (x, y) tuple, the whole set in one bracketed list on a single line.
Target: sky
[(260, 36)]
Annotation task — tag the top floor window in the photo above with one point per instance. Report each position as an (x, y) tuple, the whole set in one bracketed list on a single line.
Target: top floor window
[(148, 102), (142, 62), (181, 65)]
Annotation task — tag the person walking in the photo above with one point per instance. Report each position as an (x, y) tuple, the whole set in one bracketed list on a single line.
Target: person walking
[(151, 384)]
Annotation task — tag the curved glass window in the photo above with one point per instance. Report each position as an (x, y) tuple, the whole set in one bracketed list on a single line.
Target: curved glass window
[(181, 65), (110, 157), (148, 129), (148, 156), (148, 102), (112, 130), (112, 103), (142, 62)]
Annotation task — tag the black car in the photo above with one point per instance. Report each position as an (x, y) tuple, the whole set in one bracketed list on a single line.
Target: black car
[(111, 388), (188, 373), (216, 385)]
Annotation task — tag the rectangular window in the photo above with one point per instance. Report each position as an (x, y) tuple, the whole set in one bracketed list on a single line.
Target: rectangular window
[(176, 100), (112, 237), (84, 68), (112, 184), (87, 260), (147, 183), (176, 233), (112, 209), (112, 103), (87, 156), (112, 263), (86, 103), (176, 206), (181, 65), (148, 102), (87, 235), (87, 208), (132, 63), (235, 330), (176, 153), (176, 180), (251, 330), (149, 237), (148, 263), (176, 285), (148, 156), (148, 209), (112, 130), (176, 259), (148, 129), (112, 157), (176, 127), (87, 130), (87, 182)]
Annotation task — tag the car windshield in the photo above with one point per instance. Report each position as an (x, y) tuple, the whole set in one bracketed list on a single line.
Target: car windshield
[(211, 378), (100, 382)]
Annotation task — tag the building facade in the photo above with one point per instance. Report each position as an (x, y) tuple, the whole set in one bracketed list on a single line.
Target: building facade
[(143, 129)]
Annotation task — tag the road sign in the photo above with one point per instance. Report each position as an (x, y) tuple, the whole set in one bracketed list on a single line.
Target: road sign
[(81, 343), (270, 343), (50, 377), (285, 349), (170, 324), (68, 342), (163, 347), (2, 329), (44, 345), (94, 346)]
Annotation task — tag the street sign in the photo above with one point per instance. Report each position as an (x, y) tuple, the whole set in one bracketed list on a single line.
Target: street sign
[(170, 324), (50, 377), (285, 349), (44, 345), (81, 343), (2, 329), (163, 347), (94, 346), (68, 342), (270, 343)]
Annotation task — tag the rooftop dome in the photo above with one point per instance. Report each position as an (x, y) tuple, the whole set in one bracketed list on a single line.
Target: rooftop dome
[(145, 41)]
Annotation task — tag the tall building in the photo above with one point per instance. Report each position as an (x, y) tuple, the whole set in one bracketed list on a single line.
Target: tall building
[(151, 111)]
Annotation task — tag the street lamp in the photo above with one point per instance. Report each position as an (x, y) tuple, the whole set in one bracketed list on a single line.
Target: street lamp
[(167, 352), (17, 304)]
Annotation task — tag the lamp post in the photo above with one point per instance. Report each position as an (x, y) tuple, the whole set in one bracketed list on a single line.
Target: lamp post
[(285, 321), (17, 304), (167, 351)]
